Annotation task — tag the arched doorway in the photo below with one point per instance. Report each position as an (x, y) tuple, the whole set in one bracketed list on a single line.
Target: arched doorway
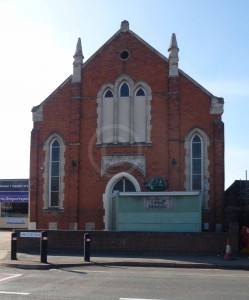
[(122, 182)]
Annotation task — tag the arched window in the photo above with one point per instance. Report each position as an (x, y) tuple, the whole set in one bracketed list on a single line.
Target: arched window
[(124, 112), (54, 173), (140, 92), (140, 116), (108, 94), (124, 185), (107, 130), (124, 90), (196, 163)]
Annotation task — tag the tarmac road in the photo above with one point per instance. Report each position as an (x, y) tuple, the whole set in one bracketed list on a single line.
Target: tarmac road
[(98, 282)]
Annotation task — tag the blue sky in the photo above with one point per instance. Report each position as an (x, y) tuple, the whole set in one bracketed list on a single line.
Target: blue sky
[(38, 40)]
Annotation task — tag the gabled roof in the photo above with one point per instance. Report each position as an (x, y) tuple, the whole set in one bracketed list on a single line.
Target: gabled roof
[(125, 28)]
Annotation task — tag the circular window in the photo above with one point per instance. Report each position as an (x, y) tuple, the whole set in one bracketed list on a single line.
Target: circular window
[(124, 54)]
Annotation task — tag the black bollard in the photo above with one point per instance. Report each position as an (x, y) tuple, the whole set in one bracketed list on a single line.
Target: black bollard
[(13, 245), (87, 242), (44, 247)]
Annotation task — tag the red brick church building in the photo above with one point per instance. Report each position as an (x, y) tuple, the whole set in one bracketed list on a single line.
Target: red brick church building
[(126, 115)]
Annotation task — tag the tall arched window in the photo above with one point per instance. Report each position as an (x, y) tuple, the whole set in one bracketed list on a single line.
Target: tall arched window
[(196, 163), (124, 114), (124, 90), (54, 173), (107, 128), (140, 116)]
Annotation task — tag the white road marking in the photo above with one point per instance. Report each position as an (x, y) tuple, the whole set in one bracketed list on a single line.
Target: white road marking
[(138, 299), (10, 276), (14, 293)]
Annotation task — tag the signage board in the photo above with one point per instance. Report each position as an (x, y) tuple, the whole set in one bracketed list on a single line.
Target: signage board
[(163, 202), (30, 234), (15, 221), (14, 190)]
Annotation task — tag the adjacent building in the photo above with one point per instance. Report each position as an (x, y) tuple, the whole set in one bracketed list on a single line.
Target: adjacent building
[(236, 204), (126, 116), (14, 203)]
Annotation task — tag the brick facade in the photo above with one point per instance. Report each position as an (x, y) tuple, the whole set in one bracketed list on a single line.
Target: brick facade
[(178, 106)]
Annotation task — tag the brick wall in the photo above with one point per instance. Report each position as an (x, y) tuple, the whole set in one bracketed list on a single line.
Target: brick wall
[(178, 105), (134, 242)]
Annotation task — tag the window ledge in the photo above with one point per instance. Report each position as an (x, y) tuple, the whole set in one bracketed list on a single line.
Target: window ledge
[(112, 145), (53, 209)]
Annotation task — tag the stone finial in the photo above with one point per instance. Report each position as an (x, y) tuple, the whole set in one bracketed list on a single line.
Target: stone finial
[(124, 26), (78, 56), (173, 56), (78, 61), (173, 42)]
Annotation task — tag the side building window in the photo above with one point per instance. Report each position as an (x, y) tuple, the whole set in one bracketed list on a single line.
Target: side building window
[(124, 112), (197, 164), (53, 173)]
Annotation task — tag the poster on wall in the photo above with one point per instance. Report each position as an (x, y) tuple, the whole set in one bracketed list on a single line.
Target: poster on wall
[(14, 191)]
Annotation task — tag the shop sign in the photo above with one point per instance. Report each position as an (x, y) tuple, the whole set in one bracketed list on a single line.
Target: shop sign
[(160, 202), (15, 221), (14, 185), (14, 190), (14, 197)]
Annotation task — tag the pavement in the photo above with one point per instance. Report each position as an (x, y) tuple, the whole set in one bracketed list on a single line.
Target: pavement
[(63, 260)]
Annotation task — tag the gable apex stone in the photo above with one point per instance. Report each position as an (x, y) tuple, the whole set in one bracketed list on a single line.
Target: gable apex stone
[(124, 26)]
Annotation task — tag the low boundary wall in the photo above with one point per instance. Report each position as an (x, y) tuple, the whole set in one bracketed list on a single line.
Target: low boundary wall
[(132, 242)]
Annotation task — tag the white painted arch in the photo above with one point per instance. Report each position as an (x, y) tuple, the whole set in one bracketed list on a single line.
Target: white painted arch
[(107, 196)]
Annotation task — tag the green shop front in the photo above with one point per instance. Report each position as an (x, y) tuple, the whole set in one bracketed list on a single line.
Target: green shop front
[(157, 211), (14, 202)]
